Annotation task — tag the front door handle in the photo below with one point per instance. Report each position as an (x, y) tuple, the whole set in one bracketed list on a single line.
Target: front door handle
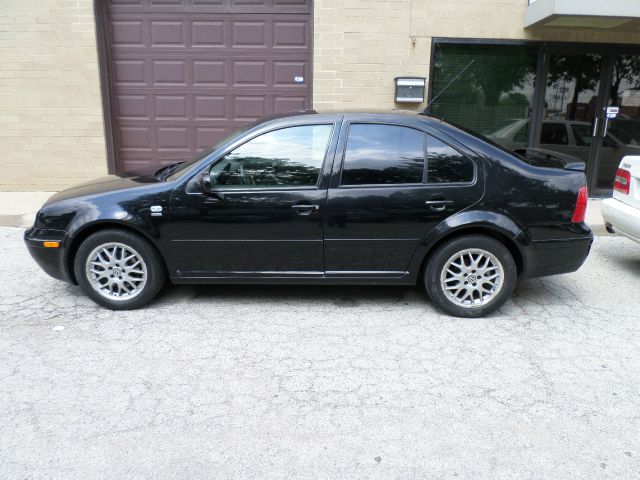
[(438, 205), (305, 209)]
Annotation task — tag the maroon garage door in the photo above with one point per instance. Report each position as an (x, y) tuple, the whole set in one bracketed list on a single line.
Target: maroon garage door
[(184, 74)]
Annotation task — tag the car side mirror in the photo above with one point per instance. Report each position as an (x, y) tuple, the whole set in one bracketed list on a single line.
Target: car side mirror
[(205, 182), (206, 185)]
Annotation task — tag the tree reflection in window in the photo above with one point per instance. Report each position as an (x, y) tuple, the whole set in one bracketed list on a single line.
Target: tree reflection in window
[(383, 154), (289, 157)]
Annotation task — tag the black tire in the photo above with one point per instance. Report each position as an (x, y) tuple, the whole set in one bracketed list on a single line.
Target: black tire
[(155, 270), (441, 258)]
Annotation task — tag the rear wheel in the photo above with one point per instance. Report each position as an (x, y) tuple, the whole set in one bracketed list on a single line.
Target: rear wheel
[(471, 276), (119, 270)]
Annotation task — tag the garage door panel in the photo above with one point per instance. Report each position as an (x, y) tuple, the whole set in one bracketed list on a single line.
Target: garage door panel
[(187, 73), (128, 33), (209, 72), (167, 33), (210, 34), (210, 107), (133, 107), (289, 104), (290, 34), (289, 74), (249, 72), (207, 136), (171, 107), (173, 139)]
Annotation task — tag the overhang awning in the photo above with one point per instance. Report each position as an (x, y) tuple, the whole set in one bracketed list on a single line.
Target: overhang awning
[(612, 15)]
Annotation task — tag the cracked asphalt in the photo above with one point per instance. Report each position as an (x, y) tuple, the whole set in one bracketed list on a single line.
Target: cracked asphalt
[(322, 382)]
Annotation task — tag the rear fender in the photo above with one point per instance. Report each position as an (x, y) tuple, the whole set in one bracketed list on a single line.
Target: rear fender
[(472, 221)]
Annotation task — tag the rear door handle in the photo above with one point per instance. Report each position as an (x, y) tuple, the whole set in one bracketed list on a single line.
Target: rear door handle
[(305, 209), (438, 205)]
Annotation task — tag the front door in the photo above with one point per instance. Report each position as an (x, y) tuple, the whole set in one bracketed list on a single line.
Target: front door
[(263, 215), (385, 198)]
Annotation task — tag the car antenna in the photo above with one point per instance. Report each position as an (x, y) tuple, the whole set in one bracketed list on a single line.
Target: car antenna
[(424, 112)]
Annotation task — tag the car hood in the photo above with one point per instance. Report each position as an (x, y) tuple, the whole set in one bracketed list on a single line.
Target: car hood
[(107, 184)]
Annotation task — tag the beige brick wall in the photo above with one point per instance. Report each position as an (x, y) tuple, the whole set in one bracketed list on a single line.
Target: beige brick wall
[(51, 127), (361, 45)]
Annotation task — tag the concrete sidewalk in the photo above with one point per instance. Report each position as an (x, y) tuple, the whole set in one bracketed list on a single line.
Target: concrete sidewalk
[(18, 209)]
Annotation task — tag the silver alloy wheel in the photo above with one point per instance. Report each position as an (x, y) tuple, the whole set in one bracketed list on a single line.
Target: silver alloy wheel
[(472, 278), (116, 271)]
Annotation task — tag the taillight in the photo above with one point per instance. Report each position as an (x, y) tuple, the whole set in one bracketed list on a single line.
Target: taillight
[(581, 205), (622, 181)]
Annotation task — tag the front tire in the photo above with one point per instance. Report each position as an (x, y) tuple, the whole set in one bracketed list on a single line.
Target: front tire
[(470, 276), (119, 270)]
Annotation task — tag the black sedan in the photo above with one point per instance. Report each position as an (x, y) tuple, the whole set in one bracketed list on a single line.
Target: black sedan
[(340, 198)]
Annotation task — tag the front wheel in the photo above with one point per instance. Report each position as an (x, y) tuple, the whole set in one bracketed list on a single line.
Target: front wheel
[(119, 270), (471, 276)]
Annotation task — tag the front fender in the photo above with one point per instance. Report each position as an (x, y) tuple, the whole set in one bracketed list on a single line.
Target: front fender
[(473, 221)]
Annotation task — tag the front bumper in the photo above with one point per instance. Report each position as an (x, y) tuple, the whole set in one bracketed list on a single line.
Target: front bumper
[(623, 218), (51, 260)]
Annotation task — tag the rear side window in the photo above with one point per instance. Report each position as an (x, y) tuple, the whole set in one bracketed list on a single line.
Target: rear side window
[(445, 164), (554, 134), (383, 154)]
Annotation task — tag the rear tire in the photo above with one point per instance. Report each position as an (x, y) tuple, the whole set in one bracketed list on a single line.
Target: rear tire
[(119, 270), (470, 276)]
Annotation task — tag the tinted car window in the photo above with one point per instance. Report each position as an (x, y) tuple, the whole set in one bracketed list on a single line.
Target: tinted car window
[(289, 157), (445, 164), (383, 154), (554, 134), (582, 134)]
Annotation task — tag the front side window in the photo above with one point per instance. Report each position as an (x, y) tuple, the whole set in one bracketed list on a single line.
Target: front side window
[(445, 164), (289, 157), (383, 155)]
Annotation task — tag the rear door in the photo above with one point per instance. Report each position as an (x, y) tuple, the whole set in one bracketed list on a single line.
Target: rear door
[(391, 185)]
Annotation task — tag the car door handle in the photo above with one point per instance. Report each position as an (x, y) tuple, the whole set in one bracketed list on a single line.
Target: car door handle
[(305, 209), (438, 205)]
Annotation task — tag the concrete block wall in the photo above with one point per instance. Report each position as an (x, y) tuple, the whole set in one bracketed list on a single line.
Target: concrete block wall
[(51, 125), (361, 45)]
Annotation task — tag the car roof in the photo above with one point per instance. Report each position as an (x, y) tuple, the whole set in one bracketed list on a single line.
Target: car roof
[(379, 115)]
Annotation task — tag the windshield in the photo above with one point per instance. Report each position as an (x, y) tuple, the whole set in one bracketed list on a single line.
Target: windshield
[(200, 155)]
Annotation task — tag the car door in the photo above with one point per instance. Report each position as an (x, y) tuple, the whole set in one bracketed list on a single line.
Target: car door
[(385, 198), (263, 211)]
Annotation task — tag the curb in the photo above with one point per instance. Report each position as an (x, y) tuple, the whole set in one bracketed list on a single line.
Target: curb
[(21, 220)]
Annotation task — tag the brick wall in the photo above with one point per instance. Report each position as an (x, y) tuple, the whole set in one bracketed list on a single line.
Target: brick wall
[(51, 129), (361, 45)]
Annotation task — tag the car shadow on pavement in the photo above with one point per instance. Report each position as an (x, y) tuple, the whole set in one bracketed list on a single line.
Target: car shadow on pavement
[(624, 262), (343, 296)]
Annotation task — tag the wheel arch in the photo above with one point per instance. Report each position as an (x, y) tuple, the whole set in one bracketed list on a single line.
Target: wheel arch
[(509, 243), (91, 228), (491, 224)]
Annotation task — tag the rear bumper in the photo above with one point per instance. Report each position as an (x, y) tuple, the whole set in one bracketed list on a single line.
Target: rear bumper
[(554, 257), (51, 260), (623, 219)]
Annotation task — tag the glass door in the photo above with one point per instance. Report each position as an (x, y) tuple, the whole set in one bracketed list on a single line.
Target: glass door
[(619, 128), (572, 102)]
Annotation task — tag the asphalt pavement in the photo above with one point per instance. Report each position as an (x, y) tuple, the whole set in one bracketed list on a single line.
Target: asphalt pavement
[(265, 382)]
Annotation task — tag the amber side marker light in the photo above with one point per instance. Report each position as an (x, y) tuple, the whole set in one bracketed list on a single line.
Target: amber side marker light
[(51, 244)]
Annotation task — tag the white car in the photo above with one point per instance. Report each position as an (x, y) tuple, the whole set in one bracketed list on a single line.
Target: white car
[(622, 212)]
